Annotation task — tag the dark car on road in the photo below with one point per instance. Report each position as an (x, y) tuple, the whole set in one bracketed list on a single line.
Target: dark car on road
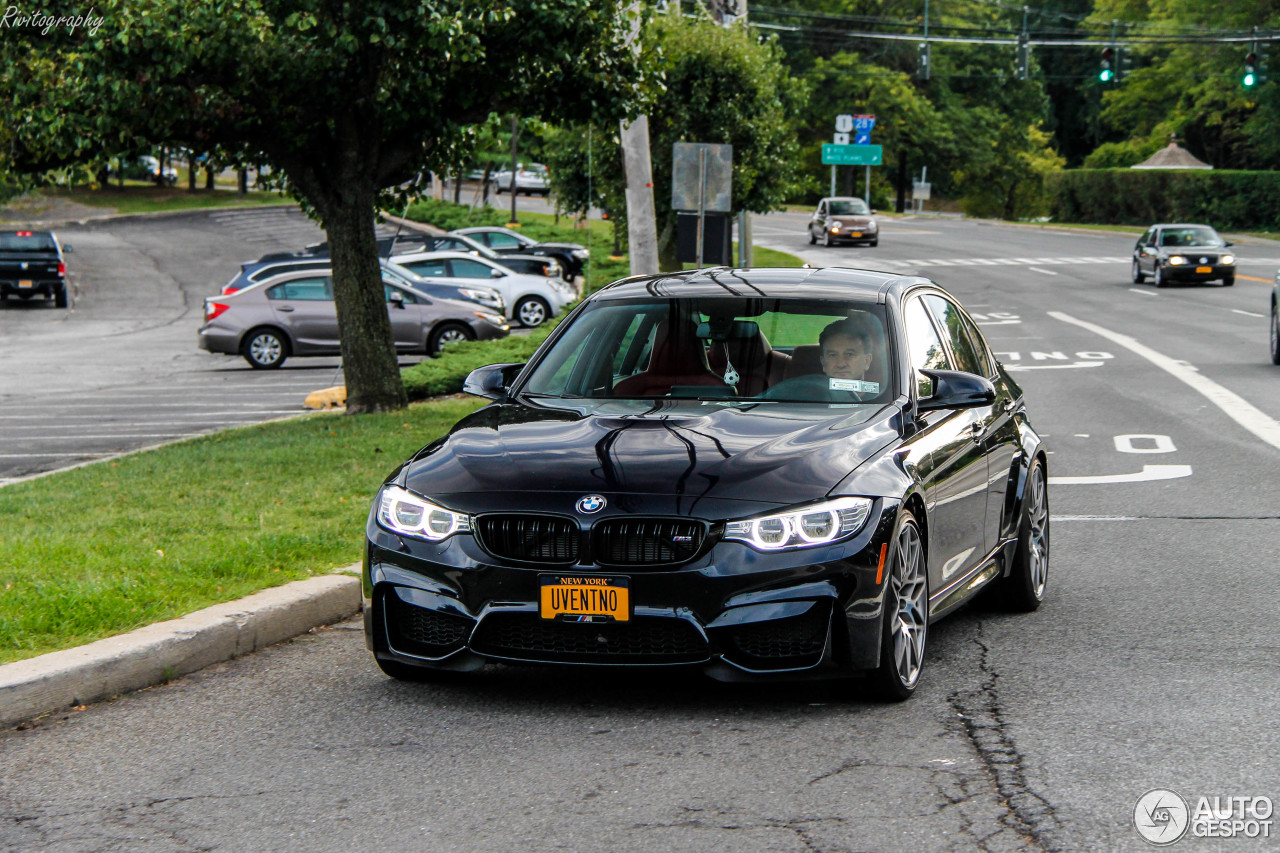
[(1275, 321), (783, 473), (293, 314), (31, 264), (844, 220), (1182, 252), (504, 241)]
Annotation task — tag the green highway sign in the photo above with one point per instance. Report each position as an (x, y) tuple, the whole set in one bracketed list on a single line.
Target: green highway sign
[(852, 155)]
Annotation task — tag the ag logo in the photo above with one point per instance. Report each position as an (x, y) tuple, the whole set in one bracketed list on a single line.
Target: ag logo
[(590, 504), (1161, 816)]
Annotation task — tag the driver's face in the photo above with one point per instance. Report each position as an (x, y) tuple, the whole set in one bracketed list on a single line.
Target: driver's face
[(843, 358)]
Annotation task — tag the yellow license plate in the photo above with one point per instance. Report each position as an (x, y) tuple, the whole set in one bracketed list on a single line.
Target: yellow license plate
[(25, 282), (855, 233), (1204, 269), (585, 598)]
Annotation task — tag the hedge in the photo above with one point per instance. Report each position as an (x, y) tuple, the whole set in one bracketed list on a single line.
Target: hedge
[(1225, 199), (445, 374)]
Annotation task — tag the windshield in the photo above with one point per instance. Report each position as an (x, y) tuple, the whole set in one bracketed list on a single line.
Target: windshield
[(1193, 236), (791, 350), (849, 207), (27, 241)]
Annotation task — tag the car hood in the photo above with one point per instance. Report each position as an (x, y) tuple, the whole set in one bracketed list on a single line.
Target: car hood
[(774, 454), (566, 246)]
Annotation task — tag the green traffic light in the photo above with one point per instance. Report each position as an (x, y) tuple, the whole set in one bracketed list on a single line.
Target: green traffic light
[(1249, 79), (1105, 76)]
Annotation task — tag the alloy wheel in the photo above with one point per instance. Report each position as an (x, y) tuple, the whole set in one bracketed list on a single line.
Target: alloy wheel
[(531, 312), (265, 349), (1038, 532), (451, 336), (911, 621)]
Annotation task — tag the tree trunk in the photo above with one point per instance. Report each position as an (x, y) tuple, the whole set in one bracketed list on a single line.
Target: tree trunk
[(368, 354), (191, 172), (208, 178), (668, 254)]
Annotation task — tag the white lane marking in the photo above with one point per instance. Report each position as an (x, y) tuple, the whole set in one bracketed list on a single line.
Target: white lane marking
[(1148, 473), (1082, 435), (1159, 443), (1248, 313), (1236, 407), (1143, 292), (49, 455), (1052, 366), (1037, 269)]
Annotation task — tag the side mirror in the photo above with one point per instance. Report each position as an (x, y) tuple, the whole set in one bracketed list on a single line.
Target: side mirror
[(497, 274), (874, 211), (954, 389), (68, 250), (491, 381), (1224, 243), (397, 299)]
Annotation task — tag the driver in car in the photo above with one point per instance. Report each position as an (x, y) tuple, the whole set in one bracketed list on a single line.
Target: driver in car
[(845, 350)]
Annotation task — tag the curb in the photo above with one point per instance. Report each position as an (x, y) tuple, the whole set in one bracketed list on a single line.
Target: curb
[(163, 651)]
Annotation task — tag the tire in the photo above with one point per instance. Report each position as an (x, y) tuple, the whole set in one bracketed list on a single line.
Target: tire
[(812, 239), (874, 243), (1136, 273), (1229, 281), (60, 298), (265, 349), (1157, 277), (532, 311), (1275, 336), (904, 630), (1024, 589), (448, 333), (826, 238)]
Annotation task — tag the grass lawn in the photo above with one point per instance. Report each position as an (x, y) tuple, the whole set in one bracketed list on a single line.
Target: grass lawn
[(137, 197), (107, 548)]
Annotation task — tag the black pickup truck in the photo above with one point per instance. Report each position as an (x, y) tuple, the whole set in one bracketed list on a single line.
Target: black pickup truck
[(31, 265)]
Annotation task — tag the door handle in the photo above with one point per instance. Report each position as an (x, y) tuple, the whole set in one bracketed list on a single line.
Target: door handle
[(285, 308), (1007, 404), (977, 431)]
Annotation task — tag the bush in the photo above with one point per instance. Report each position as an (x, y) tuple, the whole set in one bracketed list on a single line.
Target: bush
[(445, 374), (1236, 200), (448, 216)]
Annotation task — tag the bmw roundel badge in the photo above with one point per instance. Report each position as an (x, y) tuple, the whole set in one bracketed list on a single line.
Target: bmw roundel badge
[(590, 504)]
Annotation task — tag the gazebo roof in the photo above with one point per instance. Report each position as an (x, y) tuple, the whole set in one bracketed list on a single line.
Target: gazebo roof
[(1172, 156)]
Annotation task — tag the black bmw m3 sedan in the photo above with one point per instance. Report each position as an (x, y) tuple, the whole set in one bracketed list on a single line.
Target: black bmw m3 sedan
[(762, 473)]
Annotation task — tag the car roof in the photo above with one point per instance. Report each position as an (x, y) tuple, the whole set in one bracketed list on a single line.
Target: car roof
[(476, 229), (1183, 225), (767, 282), (432, 256), (290, 275)]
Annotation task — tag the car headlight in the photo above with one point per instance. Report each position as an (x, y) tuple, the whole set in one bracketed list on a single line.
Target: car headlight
[(1228, 259), (802, 528), (1177, 260), (409, 515), (871, 224), (484, 297), (494, 319), (580, 254)]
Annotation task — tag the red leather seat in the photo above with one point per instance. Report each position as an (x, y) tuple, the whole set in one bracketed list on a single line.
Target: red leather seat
[(805, 359), (678, 359)]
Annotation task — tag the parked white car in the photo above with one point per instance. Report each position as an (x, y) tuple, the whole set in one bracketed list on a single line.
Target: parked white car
[(530, 299), (531, 178)]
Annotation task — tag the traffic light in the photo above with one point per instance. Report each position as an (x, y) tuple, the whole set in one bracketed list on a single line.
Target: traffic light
[(1024, 58), (1105, 72), (922, 63), (1250, 70)]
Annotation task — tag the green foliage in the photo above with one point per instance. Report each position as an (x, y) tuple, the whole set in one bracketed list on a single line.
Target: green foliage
[(1236, 200), (1122, 155), (448, 216), (1009, 183), (434, 377)]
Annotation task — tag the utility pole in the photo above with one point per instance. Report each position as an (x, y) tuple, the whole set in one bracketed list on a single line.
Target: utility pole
[(642, 226), (515, 133)]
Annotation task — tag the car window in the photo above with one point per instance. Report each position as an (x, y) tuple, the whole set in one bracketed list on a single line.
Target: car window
[(1191, 236), (822, 209), (276, 269), (303, 290), (1145, 239), (463, 268), (952, 321), (27, 241), (849, 207), (924, 346), (499, 240), (429, 269), (985, 355), (408, 298)]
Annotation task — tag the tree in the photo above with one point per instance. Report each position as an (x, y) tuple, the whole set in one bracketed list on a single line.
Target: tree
[(720, 85), (343, 102)]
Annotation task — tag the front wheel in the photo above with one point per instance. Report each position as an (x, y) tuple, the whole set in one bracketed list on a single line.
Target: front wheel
[(264, 349), (906, 615), (1158, 276), (1136, 273), (812, 239), (1275, 336), (532, 311), (874, 243), (447, 333), (1228, 281), (826, 239), (1023, 590)]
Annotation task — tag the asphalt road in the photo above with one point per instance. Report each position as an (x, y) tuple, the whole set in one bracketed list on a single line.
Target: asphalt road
[(1153, 663)]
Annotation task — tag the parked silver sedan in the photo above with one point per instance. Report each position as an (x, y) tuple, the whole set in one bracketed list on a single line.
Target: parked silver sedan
[(293, 314)]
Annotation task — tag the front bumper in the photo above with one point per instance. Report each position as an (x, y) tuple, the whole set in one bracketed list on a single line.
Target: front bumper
[(1196, 272), (736, 613)]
